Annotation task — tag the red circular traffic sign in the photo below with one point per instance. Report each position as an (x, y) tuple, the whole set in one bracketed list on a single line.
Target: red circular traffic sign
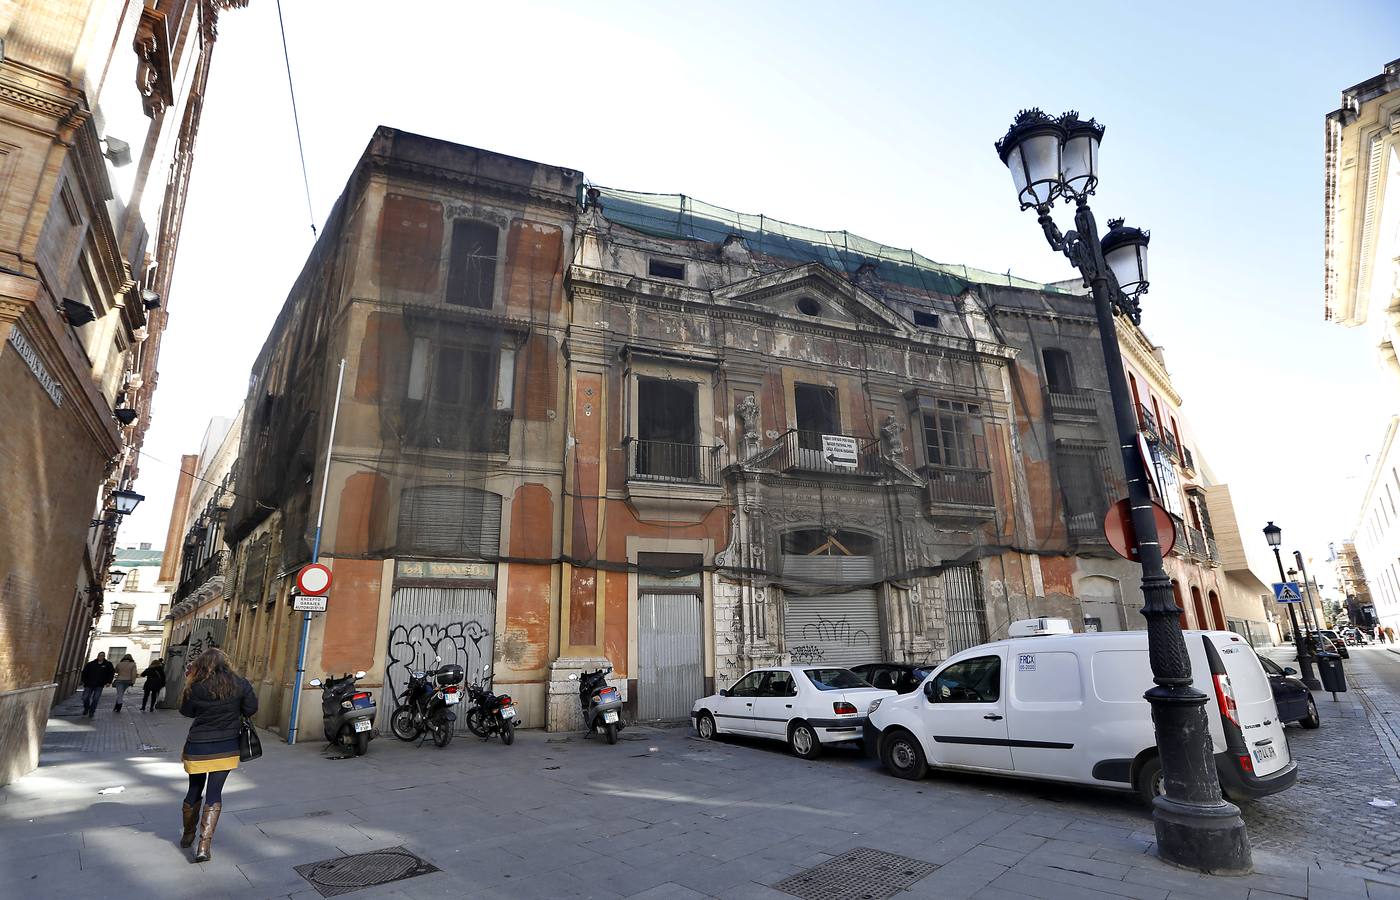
[(314, 579), (1118, 528)]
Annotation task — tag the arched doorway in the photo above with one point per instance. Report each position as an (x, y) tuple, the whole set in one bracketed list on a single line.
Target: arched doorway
[(1216, 611), (1180, 603), (1199, 605)]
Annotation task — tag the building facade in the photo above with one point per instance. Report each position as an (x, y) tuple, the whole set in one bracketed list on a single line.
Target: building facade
[(133, 619), (581, 427), (1354, 588), (99, 110), (1377, 534)]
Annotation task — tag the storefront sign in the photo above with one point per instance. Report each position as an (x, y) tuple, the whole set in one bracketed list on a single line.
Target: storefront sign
[(36, 365), (421, 568)]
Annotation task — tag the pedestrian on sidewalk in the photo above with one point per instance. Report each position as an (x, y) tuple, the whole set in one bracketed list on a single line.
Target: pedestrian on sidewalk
[(125, 677), (218, 699), (154, 683), (97, 674), (1389, 635)]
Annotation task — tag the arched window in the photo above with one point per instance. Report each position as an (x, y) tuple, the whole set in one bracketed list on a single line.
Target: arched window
[(1199, 605), (1059, 371), (1180, 602), (1216, 611)]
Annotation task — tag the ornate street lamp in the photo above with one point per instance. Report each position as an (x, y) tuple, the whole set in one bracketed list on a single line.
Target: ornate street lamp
[(1274, 535), (1057, 158), (126, 501)]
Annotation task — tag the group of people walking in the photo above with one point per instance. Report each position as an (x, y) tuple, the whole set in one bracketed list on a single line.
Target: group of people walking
[(218, 699), (99, 673)]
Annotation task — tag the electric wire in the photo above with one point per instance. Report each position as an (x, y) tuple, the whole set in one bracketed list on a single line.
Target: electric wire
[(296, 120)]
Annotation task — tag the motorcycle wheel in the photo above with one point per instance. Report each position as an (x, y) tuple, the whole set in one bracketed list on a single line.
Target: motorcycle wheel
[(361, 743), (610, 730), (476, 723), (401, 723), (442, 732), (507, 732)]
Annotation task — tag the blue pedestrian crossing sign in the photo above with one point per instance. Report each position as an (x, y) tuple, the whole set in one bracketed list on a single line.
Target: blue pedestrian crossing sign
[(1287, 592)]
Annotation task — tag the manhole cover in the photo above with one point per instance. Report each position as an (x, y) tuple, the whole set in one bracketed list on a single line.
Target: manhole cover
[(333, 877), (859, 874)]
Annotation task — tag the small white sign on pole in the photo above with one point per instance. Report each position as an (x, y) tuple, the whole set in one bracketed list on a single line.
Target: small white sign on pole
[(304, 603)]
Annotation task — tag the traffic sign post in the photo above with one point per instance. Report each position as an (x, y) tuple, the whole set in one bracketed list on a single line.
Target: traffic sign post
[(309, 603), (1122, 537), (313, 579), (1287, 592)]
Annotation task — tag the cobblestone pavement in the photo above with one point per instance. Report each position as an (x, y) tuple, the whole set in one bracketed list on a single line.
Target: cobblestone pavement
[(660, 815)]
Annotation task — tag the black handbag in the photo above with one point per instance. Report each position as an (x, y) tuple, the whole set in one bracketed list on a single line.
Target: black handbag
[(249, 744)]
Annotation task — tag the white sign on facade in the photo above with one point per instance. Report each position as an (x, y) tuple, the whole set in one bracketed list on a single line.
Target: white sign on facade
[(36, 365), (305, 603), (840, 450)]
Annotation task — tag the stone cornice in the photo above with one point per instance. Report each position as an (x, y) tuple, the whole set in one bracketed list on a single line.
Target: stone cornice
[(1016, 312), (40, 92), (1136, 345), (397, 167)]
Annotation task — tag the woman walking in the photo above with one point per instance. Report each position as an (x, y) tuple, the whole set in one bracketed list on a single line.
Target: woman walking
[(218, 700), (125, 677), (155, 682)]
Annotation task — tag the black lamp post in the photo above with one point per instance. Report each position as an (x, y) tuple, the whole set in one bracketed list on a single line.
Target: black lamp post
[(1274, 535), (1052, 159)]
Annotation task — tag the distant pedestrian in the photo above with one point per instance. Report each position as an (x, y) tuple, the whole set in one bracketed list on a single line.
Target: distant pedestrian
[(218, 700), (154, 683), (1389, 635), (125, 677), (97, 674), (1378, 634)]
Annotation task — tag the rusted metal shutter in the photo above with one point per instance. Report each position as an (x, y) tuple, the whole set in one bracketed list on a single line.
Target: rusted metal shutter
[(670, 672), (454, 623), (448, 520), (965, 611)]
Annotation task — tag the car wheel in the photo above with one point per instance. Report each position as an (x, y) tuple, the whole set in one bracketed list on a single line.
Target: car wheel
[(1151, 783), (705, 727), (1312, 720), (902, 756), (803, 740)]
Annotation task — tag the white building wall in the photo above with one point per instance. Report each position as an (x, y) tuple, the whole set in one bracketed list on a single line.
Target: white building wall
[(139, 593), (1378, 531)]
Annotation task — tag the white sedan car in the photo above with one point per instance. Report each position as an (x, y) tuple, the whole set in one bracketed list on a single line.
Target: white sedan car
[(807, 706)]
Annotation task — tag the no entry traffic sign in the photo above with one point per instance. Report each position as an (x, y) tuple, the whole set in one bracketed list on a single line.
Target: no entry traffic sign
[(313, 580)]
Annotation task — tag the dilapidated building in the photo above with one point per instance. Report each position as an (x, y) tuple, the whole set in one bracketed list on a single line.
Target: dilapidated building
[(582, 427)]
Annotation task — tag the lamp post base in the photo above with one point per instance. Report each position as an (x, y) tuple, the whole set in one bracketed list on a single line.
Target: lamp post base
[(1208, 839)]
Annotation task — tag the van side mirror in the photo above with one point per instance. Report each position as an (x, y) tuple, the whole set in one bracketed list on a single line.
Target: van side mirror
[(724, 692), (930, 691)]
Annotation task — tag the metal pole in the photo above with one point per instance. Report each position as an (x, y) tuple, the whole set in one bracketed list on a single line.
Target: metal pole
[(1307, 585), (315, 557), (1196, 827), (1303, 647)]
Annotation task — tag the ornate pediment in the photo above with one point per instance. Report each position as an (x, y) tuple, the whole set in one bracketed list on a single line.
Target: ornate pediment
[(813, 293)]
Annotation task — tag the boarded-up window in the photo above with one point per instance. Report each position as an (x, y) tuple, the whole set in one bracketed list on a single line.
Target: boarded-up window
[(449, 520), (533, 255), (536, 383), (255, 570), (410, 244), (471, 278)]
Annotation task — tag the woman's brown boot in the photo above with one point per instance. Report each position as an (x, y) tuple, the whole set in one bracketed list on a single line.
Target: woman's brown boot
[(191, 814), (207, 823)]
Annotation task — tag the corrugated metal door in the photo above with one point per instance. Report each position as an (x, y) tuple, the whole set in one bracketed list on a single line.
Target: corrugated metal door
[(841, 629), (454, 623), (965, 611), (670, 673)]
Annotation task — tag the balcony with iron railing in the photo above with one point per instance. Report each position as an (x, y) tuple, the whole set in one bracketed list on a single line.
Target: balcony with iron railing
[(1197, 543), (214, 567), (1074, 404), (1169, 444), (1212, 551), (955, 486), (1188, 461), (828, 454), (664, 461), (1147, 422), (453, 428), (1085, 527)]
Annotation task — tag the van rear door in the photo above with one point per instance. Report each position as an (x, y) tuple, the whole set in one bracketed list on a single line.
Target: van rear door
[(1244, 691)]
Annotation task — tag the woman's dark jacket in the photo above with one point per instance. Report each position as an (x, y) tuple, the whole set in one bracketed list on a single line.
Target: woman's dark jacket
[(218, 720), (155, 678)]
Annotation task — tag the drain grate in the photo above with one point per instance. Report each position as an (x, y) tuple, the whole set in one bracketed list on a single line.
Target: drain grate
[(343, 874), (859, 874)]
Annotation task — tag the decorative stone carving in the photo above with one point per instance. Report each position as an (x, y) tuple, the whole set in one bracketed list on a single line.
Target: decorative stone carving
[(747, 413), (892, 438), (152, 46)]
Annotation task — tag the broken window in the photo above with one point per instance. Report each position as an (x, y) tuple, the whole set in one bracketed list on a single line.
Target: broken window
[(471, 275), (664, 268), (667, 443), (954, 435), (925, 319), (1084, 485), (817, 414), (1059, 373), (459, 396)]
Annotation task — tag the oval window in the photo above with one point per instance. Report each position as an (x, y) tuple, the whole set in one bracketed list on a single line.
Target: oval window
[(809, 307)]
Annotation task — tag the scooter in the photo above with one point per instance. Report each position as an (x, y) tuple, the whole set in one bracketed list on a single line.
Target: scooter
[(491, 713), (347, 714), (601, 703), (426, 706)]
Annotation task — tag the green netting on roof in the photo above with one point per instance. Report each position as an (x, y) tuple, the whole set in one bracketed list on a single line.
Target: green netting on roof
[(685, 218)]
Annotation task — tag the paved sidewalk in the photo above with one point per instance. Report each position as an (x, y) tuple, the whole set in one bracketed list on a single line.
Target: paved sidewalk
[(660, 815)]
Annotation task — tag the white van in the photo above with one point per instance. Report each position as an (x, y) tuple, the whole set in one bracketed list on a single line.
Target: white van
[(1069, 707)]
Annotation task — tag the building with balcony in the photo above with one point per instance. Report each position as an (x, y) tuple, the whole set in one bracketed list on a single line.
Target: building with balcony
[(100, 106), (1353, 586), (133, 620), (1377, 533)]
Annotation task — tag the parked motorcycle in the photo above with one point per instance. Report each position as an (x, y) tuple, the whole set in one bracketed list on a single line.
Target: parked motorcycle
[(347, 714), (425, 707), (601, 703), (490, 713)]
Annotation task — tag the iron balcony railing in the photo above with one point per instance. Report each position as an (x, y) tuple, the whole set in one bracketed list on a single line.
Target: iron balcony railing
[(441, 426), (810, 451), (1212, 550), (1169, 444), (1086, 526), (959, 486), (1075, 403), (1148, 421), (212, 567), (670, 462), (1188, 462), (1197, 542), (1182, 546)]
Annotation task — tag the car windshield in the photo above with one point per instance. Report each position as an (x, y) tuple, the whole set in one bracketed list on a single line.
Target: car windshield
[(834, 679)]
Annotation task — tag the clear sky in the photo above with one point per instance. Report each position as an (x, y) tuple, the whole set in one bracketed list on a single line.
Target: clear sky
[(880, 122)]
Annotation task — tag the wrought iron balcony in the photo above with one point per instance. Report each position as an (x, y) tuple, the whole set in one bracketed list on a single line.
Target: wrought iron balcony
[(1188, 462), (1169, 444), (440, 426), (959, 486), (1197, 542), (668, 462), (809, 451), (1148, 422), (1076, 404), (213, 567), (1212, 550), (1085, 526)]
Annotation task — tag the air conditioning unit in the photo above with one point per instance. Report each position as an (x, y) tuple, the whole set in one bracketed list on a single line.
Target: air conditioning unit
[(1039, 627)]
